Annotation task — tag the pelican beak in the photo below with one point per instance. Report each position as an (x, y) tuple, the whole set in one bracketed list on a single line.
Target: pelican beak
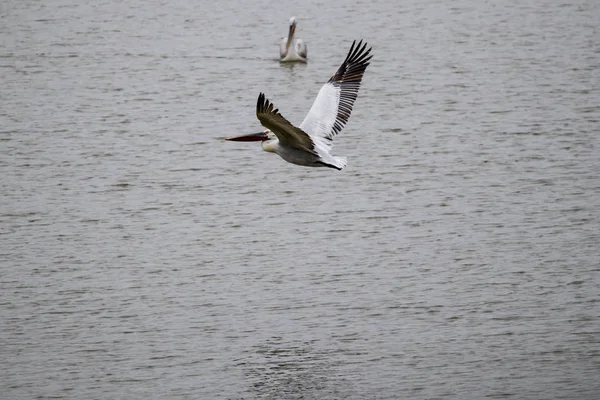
[(290, 35), (253, 137)]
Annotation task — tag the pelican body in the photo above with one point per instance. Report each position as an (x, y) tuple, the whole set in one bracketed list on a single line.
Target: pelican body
[(290, 49), (310, 144)]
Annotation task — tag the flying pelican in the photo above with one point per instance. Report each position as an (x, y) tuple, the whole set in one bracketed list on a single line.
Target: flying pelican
[(292, 49), (311, 143)]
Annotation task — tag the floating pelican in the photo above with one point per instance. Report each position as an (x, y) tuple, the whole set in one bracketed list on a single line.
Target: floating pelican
[(292, 49), (311, 143)]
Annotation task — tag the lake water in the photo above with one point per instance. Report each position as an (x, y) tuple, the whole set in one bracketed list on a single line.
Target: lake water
[(456, 257)]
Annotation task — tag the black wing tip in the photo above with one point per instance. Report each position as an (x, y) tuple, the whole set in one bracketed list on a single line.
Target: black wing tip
[(358, 56), (260, 102), (262, 98), (355, 64), (263, 105), (359, 53), (359, 48)]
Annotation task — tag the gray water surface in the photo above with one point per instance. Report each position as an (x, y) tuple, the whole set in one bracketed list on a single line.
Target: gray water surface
[(456, 257)]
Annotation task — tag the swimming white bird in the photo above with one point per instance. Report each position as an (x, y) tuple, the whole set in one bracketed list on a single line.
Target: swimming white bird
[(310, 144), (292, 49)]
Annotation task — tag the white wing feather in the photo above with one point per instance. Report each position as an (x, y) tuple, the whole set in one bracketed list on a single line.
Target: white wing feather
[(321, 118), (332, 107)]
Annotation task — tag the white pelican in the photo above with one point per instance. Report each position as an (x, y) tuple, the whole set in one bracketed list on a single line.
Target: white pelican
[(292, 49), (311, 143)]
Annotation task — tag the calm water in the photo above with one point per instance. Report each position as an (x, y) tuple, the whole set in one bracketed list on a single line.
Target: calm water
[(457, 256)]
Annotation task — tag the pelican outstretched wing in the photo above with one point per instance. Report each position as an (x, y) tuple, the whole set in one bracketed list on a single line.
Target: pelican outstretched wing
[(331, 110), (288, 134)]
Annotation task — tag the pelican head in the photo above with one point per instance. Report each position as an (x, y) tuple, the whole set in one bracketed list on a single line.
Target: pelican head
[(267, 138), (292, 29)]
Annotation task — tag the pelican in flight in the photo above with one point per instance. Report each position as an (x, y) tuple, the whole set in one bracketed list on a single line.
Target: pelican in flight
[(292, 49), (310, 144)]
